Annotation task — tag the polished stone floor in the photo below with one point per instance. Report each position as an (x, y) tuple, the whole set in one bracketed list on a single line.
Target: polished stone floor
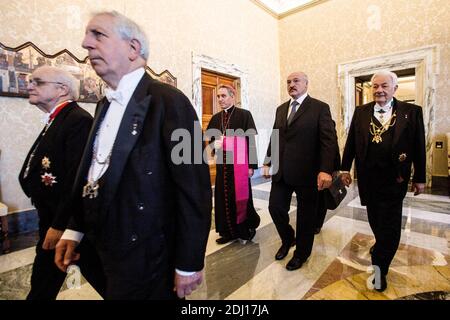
[(338, 268)]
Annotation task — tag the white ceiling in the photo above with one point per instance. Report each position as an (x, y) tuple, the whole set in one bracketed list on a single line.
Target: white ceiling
[(282, 6)]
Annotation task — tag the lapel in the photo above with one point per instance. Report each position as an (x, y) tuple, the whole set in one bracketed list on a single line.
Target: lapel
[(44, 139), (86, 158), (33, 162), (283, 114), (130, 129), (366, 116), (401, 121), (301, 109)]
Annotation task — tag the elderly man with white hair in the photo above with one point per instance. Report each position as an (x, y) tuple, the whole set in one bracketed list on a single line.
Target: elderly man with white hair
[(386, 137), (147, 213), (48, 173)]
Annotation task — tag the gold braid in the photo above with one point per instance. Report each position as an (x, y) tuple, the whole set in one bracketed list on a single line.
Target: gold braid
[(377, 131)]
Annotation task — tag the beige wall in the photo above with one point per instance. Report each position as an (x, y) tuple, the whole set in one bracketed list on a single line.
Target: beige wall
[(337, 31), (315, 40), (237, 32)]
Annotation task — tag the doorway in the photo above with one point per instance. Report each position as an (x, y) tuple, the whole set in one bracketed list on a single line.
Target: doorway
[(406, 90), (424, 62), (210, 83), (406, 87)]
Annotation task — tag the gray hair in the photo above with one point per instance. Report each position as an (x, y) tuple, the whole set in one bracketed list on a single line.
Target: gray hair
[(127, 29), (231, 90), (386, 73), (64, 77)]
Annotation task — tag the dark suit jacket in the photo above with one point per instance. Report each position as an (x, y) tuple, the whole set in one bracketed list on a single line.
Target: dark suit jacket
[(307, 146), (146, 199), (408, 144), (63, 145)]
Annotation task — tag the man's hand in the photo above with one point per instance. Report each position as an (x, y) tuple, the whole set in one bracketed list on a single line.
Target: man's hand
[(266, 172), (65, 254), (51, 239), (418, 188), (184, 285), (250, 172), (346, 178), (323, 180), (218, 143)]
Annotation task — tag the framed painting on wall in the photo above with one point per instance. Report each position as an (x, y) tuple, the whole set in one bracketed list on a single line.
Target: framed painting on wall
[(17, 64)]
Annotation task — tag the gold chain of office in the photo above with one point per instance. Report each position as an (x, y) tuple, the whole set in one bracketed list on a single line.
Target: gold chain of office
[(377, 131)]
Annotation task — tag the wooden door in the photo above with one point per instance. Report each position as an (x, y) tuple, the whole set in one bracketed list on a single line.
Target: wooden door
[(210, 83), (358, 93)]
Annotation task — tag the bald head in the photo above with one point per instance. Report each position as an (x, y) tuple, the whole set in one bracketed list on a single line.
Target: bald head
[(61, 76), (297, 84), (49, 86)]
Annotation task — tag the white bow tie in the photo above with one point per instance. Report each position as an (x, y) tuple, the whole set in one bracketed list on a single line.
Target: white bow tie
[(113, 95)]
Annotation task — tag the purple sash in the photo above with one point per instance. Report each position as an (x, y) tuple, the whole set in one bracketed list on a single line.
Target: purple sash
[(238, 145)]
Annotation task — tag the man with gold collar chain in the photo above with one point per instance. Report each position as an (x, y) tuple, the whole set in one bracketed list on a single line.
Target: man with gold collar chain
[(386, 138)]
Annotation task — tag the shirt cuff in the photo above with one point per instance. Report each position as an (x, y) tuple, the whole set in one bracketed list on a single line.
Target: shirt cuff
[(72, 235), (185, 273)]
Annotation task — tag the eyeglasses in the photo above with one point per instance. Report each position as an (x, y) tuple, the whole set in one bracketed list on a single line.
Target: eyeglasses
[(38, 82)]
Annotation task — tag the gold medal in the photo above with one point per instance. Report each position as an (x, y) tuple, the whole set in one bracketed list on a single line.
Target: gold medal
[(46, 163), (90, 190)]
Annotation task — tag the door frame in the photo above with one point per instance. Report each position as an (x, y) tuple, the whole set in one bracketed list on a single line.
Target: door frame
[(199, 62), (424, 60)]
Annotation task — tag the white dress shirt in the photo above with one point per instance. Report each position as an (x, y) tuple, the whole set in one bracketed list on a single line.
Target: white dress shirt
[(110, 125), (299, 100), (46, 117), (107, 132), (383, 113)]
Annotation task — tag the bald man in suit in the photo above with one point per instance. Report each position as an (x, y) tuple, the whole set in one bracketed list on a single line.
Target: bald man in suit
[(307, 147), (386, 138)]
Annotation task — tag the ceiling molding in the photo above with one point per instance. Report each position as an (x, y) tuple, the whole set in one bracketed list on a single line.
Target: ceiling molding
[(289, 12), (265, 8), (301, 8)]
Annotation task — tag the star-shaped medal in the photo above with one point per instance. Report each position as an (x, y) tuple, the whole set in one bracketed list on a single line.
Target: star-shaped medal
[(48, 179), (402, 157)]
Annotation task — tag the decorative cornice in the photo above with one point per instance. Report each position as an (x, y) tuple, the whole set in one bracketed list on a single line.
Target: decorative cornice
[(265, 8), (292, 11)]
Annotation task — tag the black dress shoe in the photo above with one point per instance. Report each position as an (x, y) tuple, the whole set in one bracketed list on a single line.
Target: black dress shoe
[(283, 251), (252, 233), (382, 285), (294, 264), (224, 240)]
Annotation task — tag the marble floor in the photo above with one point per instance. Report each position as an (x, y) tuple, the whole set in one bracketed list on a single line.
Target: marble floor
[(338, 268)]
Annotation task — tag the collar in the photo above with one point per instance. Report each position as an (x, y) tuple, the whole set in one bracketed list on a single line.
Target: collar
[(299, 99), (126, 87), (386, 107), (49, 116), (228, 109)]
